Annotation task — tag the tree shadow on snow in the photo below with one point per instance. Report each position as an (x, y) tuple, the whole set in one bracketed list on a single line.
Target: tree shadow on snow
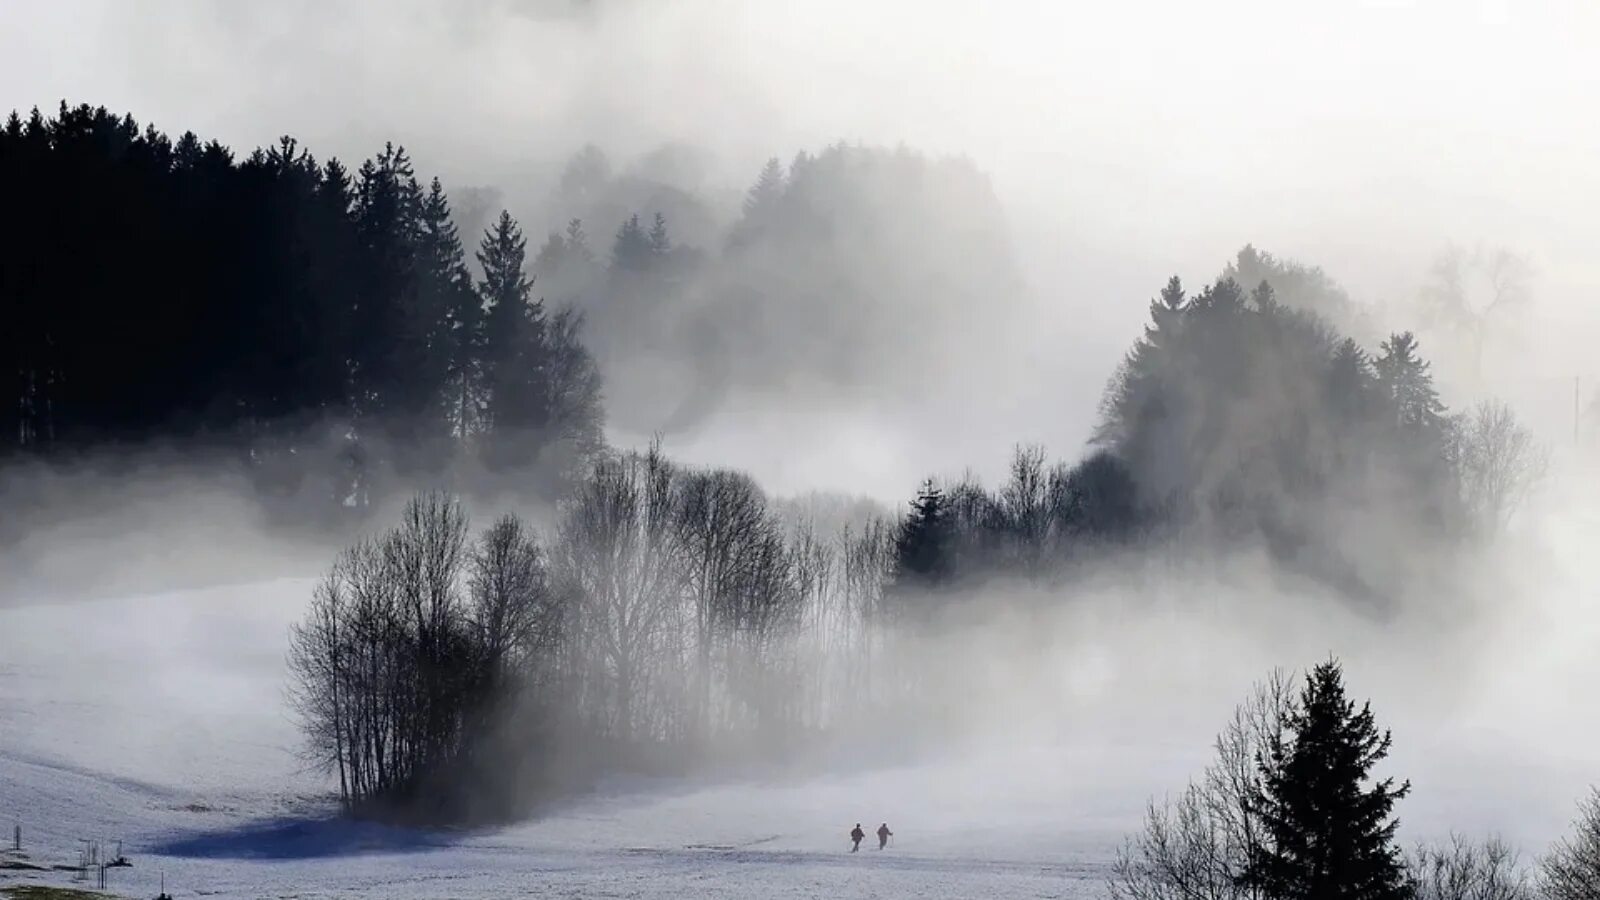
[(304, 838)]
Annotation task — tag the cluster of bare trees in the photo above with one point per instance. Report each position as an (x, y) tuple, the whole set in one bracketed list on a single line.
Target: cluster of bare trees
[(676, 612), (1199, 845), (698, 615), (412, 645)]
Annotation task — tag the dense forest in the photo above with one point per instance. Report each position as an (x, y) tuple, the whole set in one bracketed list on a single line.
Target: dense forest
[(317, 324)]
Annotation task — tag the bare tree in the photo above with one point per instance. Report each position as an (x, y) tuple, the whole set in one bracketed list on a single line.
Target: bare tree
[(1572, 870), (1499, 463), (620, 552), (317, 663), (1467, 291), (1463, 870), (1197, 846), (509, 604), (722, 515), (1024, 503)]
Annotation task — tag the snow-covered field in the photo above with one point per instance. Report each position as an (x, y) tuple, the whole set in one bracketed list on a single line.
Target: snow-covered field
[(159, 720)]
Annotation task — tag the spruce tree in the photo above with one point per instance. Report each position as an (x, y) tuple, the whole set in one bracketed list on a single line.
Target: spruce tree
[(631, 250), (514, 339), (1407, 382), (660, 243), (764, 195), (1329, 827), (925, 543), (1350, 382), (1139, 385), (577, 243), (447, 292)]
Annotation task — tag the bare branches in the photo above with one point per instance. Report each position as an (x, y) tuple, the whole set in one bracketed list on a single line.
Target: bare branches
[(1463, 870), (1467, 290), (1198, 846), (1572, 870), (1499, 462)]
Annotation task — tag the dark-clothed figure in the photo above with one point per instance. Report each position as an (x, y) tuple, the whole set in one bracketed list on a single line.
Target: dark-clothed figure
[(856, 834), (883, 835)]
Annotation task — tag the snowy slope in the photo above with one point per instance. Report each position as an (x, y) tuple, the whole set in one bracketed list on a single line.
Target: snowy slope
[(158, 721)]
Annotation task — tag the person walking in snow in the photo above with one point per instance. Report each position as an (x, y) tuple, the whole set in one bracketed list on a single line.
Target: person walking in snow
[(883, 835), (856, 834)]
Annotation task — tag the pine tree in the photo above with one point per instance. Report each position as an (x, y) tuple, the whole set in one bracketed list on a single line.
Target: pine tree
[(1350, 381), (660, 244), (1404, 377), (764, 195), (1330, 834), (631, 250), (391, 332), (1138, 387), (514, 339), (548, 262), (447, 291), (925, 543), (577, 243)]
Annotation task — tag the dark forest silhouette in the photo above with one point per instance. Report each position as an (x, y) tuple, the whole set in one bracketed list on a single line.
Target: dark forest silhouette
[(319, 325)]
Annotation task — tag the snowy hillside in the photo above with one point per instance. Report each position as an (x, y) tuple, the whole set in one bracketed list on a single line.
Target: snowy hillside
[(158, 721)]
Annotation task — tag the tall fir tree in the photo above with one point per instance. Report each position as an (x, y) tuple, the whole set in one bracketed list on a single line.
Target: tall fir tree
[(449, 293), (660, 242), (1405, 379), (925, 544), (514, 342), (1139, 387), (390, 334), (631, 251), (764, 195), (1329, 828), (577, 243)]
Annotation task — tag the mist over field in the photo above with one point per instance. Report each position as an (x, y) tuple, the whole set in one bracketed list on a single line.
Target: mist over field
[(615, 440)]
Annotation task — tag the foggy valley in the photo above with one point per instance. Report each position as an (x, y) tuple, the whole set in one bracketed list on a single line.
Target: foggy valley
[(607, 448)]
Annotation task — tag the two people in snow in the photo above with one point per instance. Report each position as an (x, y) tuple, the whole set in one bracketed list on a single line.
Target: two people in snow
[(856, 834)]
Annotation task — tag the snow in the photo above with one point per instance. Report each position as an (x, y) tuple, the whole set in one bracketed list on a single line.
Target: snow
[(159, 721)]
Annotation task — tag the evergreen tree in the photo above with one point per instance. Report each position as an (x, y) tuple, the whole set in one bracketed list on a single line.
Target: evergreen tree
[(1139, 389), (1405, 380), (391, 333), (550, 259), (448, 292), (924, 545), (1329, 830), (765, 194), (660, 244), (631, 252), (577, 243), (1350, 381), (514, 340)]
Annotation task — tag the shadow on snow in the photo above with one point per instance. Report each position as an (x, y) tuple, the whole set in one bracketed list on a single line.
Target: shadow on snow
[(304, 838)]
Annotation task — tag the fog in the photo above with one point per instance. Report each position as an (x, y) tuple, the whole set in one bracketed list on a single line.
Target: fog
[(1125, 142)]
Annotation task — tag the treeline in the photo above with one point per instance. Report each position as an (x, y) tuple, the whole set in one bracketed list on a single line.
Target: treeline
[(834, 266), (320, 324), (1292, 809), (1238, 418), (673, 615)]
